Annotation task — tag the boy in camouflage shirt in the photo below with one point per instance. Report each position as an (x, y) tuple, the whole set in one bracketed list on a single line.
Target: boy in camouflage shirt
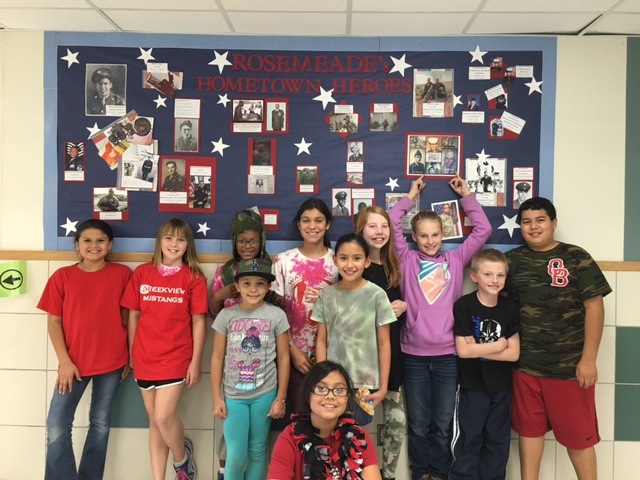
[(560, 289)]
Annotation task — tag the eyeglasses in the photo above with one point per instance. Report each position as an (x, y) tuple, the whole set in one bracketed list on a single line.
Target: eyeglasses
[(252, 243), (324, 391)]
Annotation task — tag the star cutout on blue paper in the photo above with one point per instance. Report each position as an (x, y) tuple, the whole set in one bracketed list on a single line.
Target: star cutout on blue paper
[(482, 156), (325, 97), (70, 58), (477, 54), (93, 130), (219, 146), (69, 226), (220, 61), (399, 65), (456, 100), (160, 102), (303, 146), (509, 224), (392, 183), (145, 55), (534, 86), (223, 100), (203, 228)]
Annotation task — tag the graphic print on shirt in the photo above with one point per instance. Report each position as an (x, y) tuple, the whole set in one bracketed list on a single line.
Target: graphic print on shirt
[(305, 275), (485, 331), (558, 273), (433, 278), (247, 338)]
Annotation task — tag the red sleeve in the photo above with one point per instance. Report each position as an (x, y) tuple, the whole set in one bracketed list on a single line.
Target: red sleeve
[(369, 456), (53, 295), (285, 457), (130, 297), (198, 296)]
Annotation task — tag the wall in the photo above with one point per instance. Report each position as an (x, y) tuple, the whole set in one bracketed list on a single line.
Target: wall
[(589, 127)]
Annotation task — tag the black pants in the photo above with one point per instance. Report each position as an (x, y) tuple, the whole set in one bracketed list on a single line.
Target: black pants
[(481, 435)]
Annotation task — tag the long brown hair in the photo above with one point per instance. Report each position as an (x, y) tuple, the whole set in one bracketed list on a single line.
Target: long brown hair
[(388, 251), (180, 228)]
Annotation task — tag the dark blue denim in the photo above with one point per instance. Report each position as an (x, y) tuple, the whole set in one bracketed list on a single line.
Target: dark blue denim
[(61, 462), (430, 392)]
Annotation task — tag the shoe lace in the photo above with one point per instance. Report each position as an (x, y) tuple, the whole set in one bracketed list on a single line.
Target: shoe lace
[(182, 475)]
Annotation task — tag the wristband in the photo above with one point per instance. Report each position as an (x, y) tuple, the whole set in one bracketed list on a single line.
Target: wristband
[(283, 402)]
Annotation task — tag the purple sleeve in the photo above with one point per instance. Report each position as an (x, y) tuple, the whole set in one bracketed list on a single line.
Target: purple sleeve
[(480, 233), (396, 213)]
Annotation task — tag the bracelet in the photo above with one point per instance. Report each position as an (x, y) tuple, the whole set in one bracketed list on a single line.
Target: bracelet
[(283, 402)]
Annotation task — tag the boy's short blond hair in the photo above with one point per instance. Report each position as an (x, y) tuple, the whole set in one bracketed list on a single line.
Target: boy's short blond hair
[(488, 255)]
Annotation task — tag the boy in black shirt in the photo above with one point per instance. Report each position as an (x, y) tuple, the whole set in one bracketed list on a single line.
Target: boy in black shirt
[(487, 342)]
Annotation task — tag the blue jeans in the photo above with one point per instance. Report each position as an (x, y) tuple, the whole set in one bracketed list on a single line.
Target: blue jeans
[(61, 462), (430, 392), (246, 431)]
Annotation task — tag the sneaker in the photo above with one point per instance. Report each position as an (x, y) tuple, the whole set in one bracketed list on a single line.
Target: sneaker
[(188, 470)]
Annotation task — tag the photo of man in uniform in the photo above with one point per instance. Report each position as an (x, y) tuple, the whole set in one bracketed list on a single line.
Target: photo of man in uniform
[(186, 142), (173, 182), (277, 119), (109, 203), (340, 207), (522, 194), (102, 94)]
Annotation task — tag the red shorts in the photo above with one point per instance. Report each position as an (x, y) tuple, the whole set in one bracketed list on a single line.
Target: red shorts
[(542, 404)]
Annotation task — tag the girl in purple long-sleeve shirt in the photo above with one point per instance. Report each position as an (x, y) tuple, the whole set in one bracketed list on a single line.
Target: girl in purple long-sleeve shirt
[(431, 282)]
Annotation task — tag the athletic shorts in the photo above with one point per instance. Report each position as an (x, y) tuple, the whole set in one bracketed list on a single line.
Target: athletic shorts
[(541, 404), (151, 384)]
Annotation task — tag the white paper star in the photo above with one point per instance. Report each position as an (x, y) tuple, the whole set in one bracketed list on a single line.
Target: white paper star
[(477, 55), (223, 100), (509, 224), (303, 146), (160, 102), (93, 130), (392, 184), (482, 156), (325, 97), (69, 226), (399, 65), (219, 146), (70, 58), (456, 100), (203, 228), (146, 55), (220, 61), (534, 86)]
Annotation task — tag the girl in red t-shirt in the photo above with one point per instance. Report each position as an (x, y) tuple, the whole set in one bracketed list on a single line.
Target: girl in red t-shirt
[(167, 299), (88, 333)]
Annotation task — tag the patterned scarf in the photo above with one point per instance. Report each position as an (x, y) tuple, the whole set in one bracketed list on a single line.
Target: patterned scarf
[(320, 463)]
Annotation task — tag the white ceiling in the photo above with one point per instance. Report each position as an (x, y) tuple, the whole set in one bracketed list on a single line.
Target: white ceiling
[(376, 18)]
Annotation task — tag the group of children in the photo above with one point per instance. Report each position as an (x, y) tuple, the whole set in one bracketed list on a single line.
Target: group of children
[(326, 335)]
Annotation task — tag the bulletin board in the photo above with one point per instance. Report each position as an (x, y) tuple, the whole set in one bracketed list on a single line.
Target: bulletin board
[(145, 130)]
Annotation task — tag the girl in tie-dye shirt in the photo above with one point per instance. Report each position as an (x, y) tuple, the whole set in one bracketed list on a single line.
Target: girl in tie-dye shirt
[(431, 282), (300, 275)]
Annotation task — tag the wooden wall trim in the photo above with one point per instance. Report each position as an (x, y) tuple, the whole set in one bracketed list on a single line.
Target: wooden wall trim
[(605, 265)]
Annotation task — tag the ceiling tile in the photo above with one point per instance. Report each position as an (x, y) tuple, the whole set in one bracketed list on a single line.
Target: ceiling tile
[(285, 5), (628, 24), (398, 24), (164, 21), (412, 6), (531, 23), (54, 19), (280, 24), (548, 6), (629, 6), (156, 5)]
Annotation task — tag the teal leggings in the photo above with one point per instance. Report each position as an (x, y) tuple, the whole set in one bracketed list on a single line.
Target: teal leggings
[(246, 430)]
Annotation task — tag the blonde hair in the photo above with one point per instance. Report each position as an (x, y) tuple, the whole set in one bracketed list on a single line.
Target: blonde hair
[(181, 228), (429, 215), (488, 255), (388, 251)]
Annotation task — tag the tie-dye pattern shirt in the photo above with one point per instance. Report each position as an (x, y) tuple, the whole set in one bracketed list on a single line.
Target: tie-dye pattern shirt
[(430, 285), (294, 273)]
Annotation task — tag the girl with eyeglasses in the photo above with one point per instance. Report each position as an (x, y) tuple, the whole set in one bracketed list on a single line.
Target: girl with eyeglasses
[(248, 240), (250, 346), (324, 442)]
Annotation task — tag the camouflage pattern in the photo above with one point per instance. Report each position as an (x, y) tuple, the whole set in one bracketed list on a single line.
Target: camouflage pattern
[(392, 432), (551, 288)]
